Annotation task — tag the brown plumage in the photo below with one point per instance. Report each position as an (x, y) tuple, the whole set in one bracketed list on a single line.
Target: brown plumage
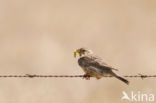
[(94, 66)]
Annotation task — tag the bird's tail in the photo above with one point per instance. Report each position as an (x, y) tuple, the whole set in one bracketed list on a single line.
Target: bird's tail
[(120, 78)]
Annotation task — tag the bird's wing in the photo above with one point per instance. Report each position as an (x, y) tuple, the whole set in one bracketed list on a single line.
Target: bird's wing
[(89, 65), (101, 62), (87, 61)]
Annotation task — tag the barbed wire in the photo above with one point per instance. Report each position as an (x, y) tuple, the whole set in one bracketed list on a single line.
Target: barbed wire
[(69, 76)]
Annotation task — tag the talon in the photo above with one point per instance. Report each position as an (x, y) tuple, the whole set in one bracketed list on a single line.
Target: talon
[(87, 77)]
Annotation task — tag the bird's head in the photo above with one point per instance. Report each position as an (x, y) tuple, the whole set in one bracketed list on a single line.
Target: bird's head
[(82, 51)]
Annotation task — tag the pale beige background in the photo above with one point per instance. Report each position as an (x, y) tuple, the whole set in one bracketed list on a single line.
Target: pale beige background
[(39, 36)]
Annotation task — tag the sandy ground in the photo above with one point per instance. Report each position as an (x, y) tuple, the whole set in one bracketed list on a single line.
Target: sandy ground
[(39, 36)]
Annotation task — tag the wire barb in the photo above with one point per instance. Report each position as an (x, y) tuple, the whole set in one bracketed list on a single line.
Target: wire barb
[(69, 76), (143, 76)]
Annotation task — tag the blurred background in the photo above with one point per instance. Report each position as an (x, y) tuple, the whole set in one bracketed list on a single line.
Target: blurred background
[(39, 36)]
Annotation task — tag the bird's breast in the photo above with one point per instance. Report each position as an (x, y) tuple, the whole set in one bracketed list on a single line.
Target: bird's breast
[(82, 62)]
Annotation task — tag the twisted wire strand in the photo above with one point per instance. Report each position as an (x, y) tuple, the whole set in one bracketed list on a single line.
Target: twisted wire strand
[(69, 76)]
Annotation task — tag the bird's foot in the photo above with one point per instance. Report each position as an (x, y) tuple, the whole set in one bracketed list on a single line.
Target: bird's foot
[(87, 77)]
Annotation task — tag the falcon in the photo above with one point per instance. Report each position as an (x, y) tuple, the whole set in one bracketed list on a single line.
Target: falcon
[(94, 66)]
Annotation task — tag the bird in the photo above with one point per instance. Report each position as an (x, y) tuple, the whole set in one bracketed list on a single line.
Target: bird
[(94, 66)]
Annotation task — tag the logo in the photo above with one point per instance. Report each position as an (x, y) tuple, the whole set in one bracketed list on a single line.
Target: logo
[(138, 96)]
